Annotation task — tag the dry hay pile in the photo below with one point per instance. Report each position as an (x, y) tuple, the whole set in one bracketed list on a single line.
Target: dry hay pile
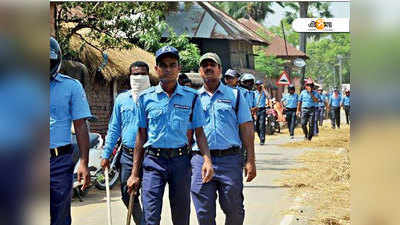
[(328, 138), (324, 180)]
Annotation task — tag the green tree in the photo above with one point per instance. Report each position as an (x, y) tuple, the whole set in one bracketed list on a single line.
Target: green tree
[(119, 25), (270, 65), (291, 36), (323, 59), (188, 52), (257, 10)]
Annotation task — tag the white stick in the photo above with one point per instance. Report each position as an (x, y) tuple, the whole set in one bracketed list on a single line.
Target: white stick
[(108, 197)]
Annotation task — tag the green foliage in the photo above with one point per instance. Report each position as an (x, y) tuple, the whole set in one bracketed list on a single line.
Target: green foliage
[(324, 57), (291, 36), (270, 65), (110, 24), (118, 24), (315, 9), (257, 10), (188, 52)]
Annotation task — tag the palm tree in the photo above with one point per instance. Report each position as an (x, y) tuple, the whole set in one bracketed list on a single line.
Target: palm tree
[(257, 10), (302, 9)]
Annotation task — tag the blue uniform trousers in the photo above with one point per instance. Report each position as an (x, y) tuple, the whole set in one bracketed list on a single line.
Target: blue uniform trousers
[(157, 171), (317, 114), (61, 178), (291, 120), (347, 111), (307, 117), (335, 116), (321, 116), (126, 162), (227, 182)]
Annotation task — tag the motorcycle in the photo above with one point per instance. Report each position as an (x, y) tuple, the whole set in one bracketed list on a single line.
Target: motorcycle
[(96, 173), (113, 172), (95, 144)]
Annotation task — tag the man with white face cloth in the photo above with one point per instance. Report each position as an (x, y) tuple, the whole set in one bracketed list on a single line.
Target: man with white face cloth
[(139, 83), (124, 123)]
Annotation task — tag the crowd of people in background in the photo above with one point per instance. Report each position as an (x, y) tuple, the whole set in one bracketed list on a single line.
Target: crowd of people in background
[(310, 107)]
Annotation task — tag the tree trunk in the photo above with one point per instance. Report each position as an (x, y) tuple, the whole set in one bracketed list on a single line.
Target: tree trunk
[(303, 37)]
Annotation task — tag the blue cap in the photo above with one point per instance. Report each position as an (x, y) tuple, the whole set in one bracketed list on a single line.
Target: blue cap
[(259, 82), (232, 73), (167, 50)]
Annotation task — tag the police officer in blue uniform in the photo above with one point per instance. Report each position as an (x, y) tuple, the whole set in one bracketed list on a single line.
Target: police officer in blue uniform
[(346, 105), (322, 106), (247, 81), (68, 104), (308, 99), (317, 112), (290, 102), (166, 113), (228, 126), (231, 78), (334, 108), (124, 123), (261, 97)]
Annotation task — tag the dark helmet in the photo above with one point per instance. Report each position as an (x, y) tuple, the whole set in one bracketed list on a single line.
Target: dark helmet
[(291, 87), (55, 57)]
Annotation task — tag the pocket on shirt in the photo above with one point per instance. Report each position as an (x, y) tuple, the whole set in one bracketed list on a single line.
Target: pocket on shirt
[(154, 117), (127, 113), (181, 118), (224, 111)]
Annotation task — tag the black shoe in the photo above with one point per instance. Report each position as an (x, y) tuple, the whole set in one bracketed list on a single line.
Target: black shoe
[(262, 142)]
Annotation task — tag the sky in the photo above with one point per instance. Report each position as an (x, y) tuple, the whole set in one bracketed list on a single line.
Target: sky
[(338, 9)]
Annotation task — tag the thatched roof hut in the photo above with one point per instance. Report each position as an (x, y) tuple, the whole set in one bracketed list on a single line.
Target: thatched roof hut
[(118, 63)]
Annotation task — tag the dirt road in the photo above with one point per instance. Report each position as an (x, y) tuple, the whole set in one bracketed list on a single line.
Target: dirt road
[(264, 199)]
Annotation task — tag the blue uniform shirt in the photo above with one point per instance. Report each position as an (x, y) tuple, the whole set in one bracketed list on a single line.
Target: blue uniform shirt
[(67, 103), (260, 99), (167, 119), (124, 123), (322, 100), (335, 102), (290, 100), (346, 100), (222, 121), (249, 97), (306, 100)]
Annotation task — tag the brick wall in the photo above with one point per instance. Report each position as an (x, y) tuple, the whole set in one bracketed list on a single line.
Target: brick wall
[(98, 92), (101, 103)]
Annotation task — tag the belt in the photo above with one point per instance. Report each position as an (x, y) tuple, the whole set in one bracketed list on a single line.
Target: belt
[(66, 149), (308, 107), (127, 150), (261, 108), (222, 152), (168, 153), (291, 109)]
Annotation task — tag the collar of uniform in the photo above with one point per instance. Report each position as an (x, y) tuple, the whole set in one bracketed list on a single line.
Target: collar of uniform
[(178, 89), (221, 88), (58, 77)]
